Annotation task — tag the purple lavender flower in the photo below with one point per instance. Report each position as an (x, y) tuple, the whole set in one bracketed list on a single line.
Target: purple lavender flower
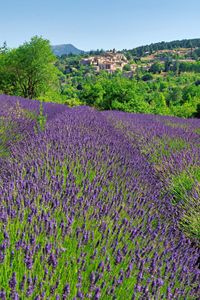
[(13, 281)]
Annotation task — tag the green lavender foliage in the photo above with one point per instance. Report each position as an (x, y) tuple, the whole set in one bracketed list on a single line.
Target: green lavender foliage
[(41, 119)]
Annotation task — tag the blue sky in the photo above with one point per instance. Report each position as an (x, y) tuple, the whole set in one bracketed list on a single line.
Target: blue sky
[(93, 24)]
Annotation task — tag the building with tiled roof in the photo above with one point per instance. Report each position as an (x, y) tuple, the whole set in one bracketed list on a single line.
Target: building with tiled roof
[(109, 61)]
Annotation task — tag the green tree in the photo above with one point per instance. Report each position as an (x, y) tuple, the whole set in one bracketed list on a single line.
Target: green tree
[(168, 63), (147, 77), (92, 94), (127, 67), (4, 48), (175, 96), (158, 105), (156, 68), (29, 70), (176, 67)]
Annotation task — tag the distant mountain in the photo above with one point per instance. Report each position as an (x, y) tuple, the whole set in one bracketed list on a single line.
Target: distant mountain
[(66, 49)]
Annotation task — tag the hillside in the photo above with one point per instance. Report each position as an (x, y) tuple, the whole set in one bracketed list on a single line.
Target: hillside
[(165, 82), (97, 205), (148, 49), (66, 49), (165, 79)]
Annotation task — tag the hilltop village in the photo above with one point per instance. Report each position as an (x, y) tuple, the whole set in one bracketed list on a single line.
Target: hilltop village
[(109, 61)]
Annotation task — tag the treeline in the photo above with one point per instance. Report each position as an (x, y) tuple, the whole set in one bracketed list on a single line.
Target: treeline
[(175, 66), (142, 50), (144, 93), (186, 67)]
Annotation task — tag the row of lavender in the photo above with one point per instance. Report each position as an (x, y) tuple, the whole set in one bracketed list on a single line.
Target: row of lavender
[(83, 215), (19, 118), (172, 145), (10, 105)]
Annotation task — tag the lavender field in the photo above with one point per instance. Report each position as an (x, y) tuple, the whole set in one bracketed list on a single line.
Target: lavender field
[(97, 205)]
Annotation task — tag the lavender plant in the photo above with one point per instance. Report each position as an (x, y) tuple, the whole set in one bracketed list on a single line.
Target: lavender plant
[(86, 214), (41, 118)]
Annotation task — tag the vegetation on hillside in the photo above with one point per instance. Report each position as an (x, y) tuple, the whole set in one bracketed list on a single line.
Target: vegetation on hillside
[(148, 49), (163, 84), (175, 92)]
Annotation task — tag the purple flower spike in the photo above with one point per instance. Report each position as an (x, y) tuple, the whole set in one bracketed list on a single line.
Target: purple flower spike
[(13, 281)]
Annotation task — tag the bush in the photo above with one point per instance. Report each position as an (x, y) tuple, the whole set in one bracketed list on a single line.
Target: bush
[(147, 77)]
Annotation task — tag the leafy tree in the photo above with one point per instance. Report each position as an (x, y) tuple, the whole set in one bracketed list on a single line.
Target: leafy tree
[(185, 111), (4, 48), (168, 64), (127, 67), (175, 96), (156, 68), (147, 77), (197, 82), (92, 94), (158, 105), (176, 67), (197, 112), (29, 71), (196, 53)]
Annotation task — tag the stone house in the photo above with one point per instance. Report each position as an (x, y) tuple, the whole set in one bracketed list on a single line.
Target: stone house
[(109, 61)]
